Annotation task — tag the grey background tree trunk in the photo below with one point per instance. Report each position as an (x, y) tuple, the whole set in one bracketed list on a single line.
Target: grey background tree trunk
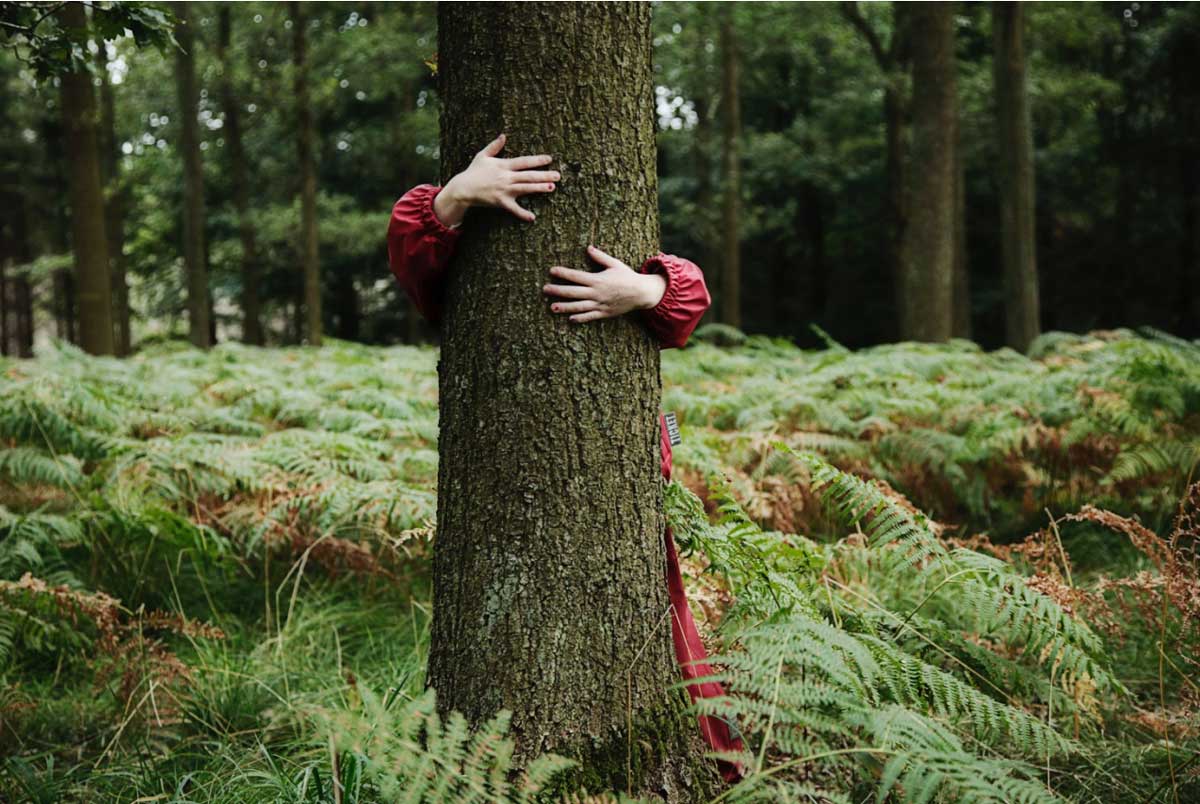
[(194, 256), (93, 290), (731, 173), (1014, 140), (927, 300), (252, 332), (305, 135), (549, 594)]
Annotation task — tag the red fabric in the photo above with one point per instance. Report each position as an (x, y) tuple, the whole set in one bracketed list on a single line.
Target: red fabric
[(419, 250)]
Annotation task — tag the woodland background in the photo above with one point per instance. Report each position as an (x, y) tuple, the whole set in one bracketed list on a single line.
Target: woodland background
[(1114, 106), (948, 571)]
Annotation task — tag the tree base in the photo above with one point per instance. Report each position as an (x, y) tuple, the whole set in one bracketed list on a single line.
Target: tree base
[(664, 761)]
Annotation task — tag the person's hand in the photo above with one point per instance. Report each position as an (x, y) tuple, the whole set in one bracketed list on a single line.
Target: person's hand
[(605, 294), (493, 182)]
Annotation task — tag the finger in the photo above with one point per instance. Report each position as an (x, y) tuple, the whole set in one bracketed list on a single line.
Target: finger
[(532, 176), (571, 275), (587, 305), (568, 291), (526, 189), (495, 146), (512, 206), (594, 315), (526, 162), (607, 260)]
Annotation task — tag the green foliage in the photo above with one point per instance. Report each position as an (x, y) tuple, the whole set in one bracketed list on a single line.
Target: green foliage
[(870, 651)]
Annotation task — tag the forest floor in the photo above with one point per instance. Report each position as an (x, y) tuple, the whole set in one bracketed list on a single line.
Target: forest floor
[(936, 573)]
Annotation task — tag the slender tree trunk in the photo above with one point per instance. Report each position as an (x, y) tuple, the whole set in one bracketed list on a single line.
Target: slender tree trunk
[(962, 274), (549, 566), (927, 303), (114, 205), (731, 132), (90, 242), (1014, 140), (252, 331), (305, 136), (893, 113), (196, 267), (705, 226)]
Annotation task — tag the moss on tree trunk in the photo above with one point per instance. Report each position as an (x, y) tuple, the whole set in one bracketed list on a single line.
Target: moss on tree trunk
[(549, 587)]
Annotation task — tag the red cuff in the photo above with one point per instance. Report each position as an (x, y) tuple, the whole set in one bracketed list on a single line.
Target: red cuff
[(431, 224), (419, 249), (683, 303)]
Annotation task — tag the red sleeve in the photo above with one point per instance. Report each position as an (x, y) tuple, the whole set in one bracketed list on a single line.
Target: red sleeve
[(683, 303), (419, 248)]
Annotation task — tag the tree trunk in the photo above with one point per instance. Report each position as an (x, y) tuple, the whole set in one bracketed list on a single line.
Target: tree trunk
[(549, 565), (731, 132), (1014, 140), (114, 205), (90, 243), (702, 162), (927, 301), (196, 268), (962, 274), (308, 177), (893, 113), (252, 331)]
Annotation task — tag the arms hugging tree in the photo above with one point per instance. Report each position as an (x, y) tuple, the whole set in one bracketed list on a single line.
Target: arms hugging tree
[(550, 554)]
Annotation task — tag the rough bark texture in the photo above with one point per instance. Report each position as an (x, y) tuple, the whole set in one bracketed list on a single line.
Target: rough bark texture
[(114, 206), (308, 178), (195, 265), (731, 132), (93, 290), (252, 331), (1014, 140), (549, 563), (927, 300)]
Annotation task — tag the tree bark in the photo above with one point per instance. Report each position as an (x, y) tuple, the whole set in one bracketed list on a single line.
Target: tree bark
[(308, 177), (731, 132), (114, 205), (927, 300), (93, 289), (252, 332), (195, 264), (549, 564), (1014, 140)]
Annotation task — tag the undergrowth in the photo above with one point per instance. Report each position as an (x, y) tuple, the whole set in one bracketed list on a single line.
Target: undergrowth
[(932, 573)]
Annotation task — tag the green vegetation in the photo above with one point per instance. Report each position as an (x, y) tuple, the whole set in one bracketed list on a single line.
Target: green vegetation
[(214, 572)]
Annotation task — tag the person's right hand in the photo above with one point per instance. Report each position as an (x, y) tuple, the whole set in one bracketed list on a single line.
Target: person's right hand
[(493, 182)]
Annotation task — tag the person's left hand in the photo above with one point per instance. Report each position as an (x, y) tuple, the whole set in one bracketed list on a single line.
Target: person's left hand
[(605, 294)]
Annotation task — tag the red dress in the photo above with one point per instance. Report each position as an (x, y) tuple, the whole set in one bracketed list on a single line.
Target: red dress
[(419, 250)]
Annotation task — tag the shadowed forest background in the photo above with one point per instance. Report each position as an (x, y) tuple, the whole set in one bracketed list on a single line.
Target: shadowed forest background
[(936, 498), (798, 177)]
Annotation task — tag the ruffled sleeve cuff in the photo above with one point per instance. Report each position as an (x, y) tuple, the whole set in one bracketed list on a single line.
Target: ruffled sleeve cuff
[(417, 206), (683, 303)]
